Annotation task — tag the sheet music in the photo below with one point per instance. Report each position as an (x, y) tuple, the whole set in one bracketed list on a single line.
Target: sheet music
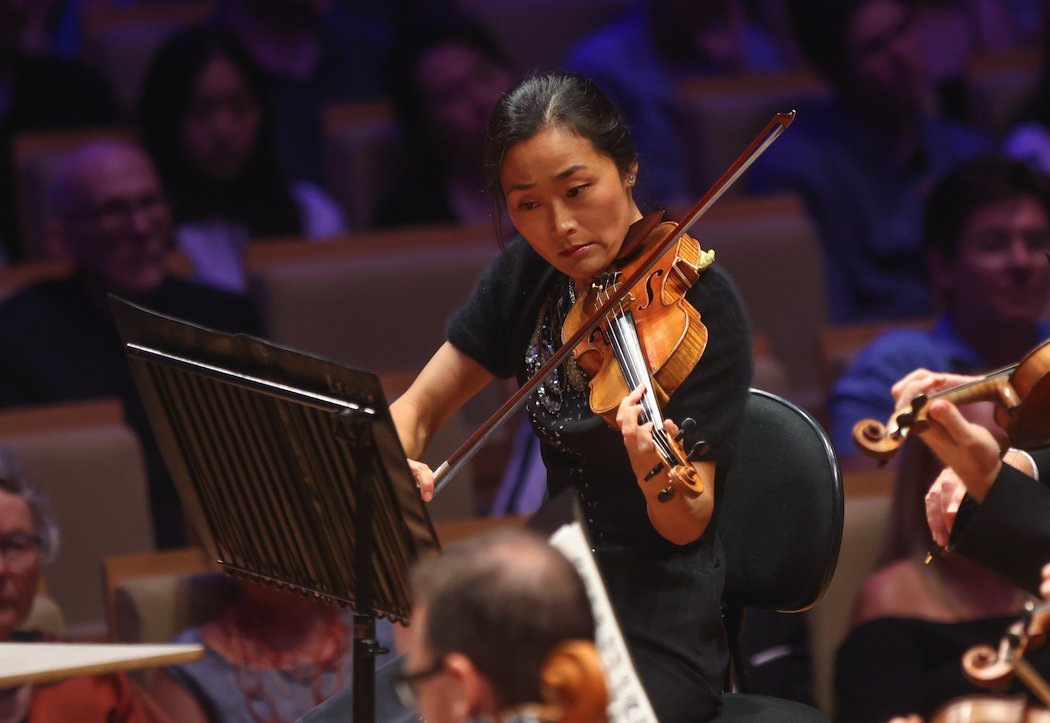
[(38, 662), (628, 702)]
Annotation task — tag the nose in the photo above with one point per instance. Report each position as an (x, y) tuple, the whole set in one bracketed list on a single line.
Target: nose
[(563, 221)]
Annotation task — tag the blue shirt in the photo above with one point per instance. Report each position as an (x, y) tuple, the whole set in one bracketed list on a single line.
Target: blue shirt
[(863, 392), (867, 206), (623, 60)]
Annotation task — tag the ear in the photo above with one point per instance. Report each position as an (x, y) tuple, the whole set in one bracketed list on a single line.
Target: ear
[(56, 242), (476, 697)]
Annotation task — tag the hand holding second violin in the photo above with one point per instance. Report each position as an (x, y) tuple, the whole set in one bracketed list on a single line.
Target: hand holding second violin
[(968, 448)]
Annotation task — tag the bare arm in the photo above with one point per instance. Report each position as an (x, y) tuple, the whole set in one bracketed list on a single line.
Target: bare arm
[(448, 380)]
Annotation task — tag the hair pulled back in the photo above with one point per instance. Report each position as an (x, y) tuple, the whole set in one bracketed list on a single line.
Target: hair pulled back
[(548, 101)]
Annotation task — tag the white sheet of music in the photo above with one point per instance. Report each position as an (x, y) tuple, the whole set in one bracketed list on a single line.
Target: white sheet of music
[(37, 662), (628, 702)]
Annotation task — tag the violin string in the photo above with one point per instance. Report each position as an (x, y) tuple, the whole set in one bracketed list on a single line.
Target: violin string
[(1002, 372), (632, 363)]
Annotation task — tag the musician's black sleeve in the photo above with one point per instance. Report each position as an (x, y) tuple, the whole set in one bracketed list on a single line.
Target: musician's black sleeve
[(1010, 531)]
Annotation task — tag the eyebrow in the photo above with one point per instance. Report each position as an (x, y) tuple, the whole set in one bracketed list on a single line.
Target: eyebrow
[(559, 177)]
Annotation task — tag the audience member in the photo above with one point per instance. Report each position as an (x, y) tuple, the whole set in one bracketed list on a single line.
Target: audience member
[(269, 655), (58, 341), (953, 33), (205, 120), (863, 162), (29, 538), (444, 83), (987, 228), (914, 621), (639, 60), (38, 93), (486, 615), (309, 57)]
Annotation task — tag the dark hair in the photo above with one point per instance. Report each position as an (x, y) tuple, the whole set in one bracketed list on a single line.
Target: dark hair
[(504, 600), (258, 196), (970, 185), (553, 100), (819, 27), (403, 86)]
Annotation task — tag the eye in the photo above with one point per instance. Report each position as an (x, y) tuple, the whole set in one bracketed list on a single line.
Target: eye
[(527, 205), (575, 190)]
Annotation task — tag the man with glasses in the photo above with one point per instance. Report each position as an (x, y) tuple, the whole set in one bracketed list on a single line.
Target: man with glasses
[(486, 614), (863, 161), (58, 341)]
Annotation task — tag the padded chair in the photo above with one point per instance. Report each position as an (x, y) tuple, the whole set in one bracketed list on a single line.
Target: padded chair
[(780, 522)]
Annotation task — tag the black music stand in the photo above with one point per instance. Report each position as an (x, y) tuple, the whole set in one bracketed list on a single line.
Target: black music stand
[(289, 468)]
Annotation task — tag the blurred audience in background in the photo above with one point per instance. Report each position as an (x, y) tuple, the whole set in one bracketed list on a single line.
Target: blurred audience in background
[(270, 655), (863, 162), (444, 82), (639, 60), (311, 52), (113, 224), (955, 32), (206, 121), (28, 539), (38, 92), (987, 231), (913, 621), (1029, 139)]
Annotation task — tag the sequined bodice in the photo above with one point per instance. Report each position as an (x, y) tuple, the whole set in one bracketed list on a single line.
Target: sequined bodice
[(578, 447)]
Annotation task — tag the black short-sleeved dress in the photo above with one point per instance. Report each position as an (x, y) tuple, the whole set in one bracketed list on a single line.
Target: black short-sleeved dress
[(667, 597)]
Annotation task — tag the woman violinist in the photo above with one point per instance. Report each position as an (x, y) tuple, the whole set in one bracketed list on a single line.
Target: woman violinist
[(560, 160)]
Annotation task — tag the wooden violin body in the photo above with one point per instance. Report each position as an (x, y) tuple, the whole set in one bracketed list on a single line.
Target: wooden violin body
[(670, 331), (652, 337), (1021, 394)]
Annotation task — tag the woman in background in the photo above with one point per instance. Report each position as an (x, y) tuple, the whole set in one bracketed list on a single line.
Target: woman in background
[(205, 121), (444, 83)]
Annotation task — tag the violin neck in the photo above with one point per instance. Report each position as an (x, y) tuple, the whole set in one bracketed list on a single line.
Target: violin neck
[(989, 389)]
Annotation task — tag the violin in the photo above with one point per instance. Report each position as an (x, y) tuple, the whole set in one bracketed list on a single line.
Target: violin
[(612, 297), (1021, 393), (653, 337), (994, 667)]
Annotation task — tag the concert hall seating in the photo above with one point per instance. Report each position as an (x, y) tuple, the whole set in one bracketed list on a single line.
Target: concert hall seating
[(721, 116), (1000, 87), (36, 156), (770, 248), (362, 156), (867, 508), (119, 40), (90, 464)]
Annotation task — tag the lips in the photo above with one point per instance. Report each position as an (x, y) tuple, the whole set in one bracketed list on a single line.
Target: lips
[(574, 251)]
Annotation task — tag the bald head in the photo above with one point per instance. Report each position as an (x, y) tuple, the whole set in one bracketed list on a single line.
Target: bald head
[(111, 217), (505, 601)]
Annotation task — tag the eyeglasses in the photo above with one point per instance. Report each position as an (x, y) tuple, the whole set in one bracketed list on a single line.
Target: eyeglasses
[(19, 550), (405, 683), (120, 212)]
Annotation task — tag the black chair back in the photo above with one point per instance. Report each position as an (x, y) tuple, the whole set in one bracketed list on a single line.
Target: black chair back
[(780, 515)]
